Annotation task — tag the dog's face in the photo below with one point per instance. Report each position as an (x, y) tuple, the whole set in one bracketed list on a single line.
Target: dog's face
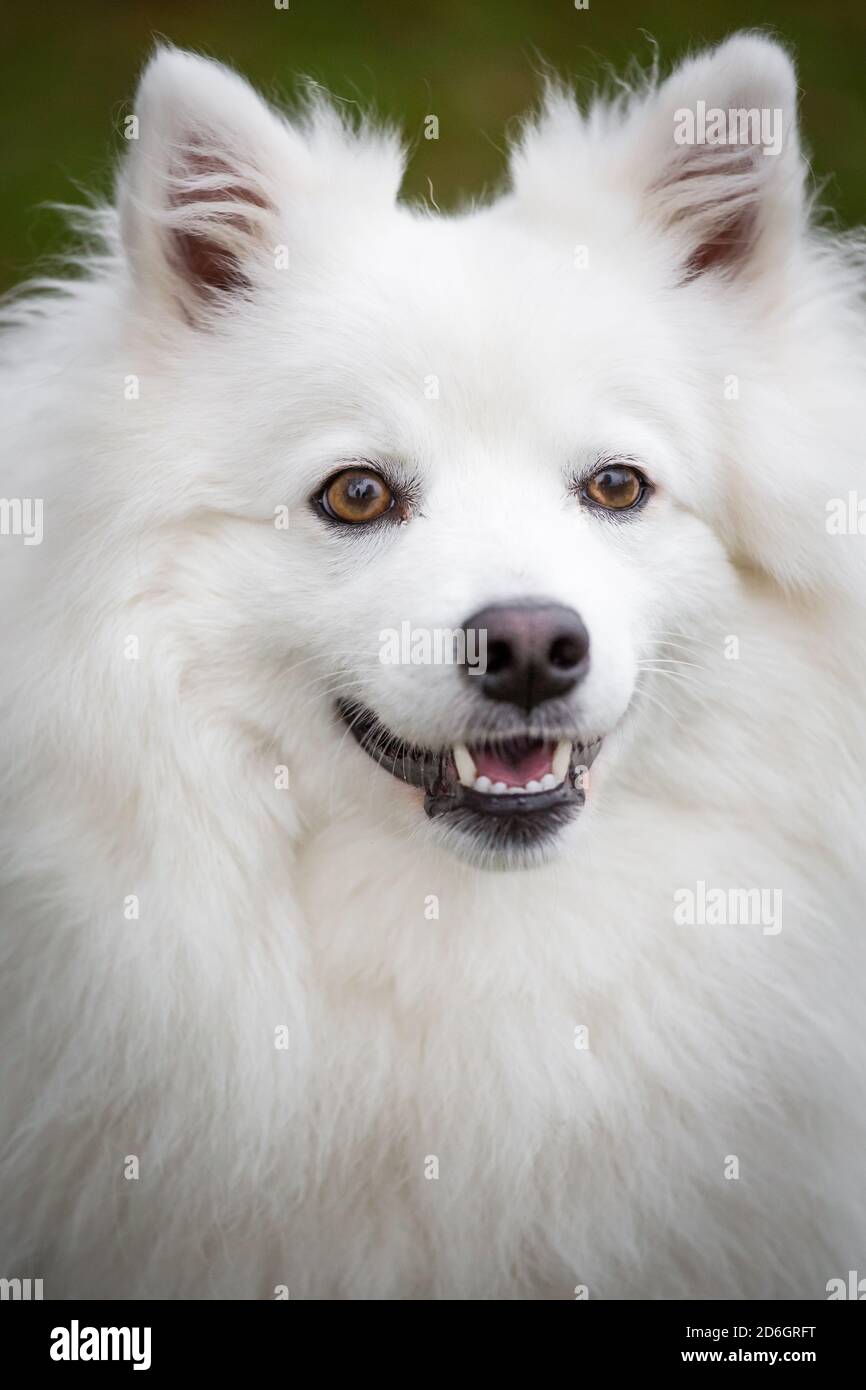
[(489, 452), (496, 522)]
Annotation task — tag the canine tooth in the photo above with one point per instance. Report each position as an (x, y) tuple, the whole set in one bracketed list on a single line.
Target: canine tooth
[(548, 782), (466, 769), (561, 759), (499, 788), (483, 784), (533, 786)]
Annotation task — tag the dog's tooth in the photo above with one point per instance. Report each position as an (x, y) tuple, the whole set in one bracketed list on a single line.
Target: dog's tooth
[(483, 784), (465, 765), (498, 788), (548, 782), (533, 786), (561, 759)]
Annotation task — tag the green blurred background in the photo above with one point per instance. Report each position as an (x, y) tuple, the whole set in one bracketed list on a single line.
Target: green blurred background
[(69, 72)]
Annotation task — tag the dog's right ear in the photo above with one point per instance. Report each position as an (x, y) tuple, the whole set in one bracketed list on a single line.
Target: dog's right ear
[(216, 183), (197, 199)]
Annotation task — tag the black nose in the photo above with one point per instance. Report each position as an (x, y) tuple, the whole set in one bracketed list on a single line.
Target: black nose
[(535, 651)]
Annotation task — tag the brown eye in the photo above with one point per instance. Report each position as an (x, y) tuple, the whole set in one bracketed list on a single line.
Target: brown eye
[(616, 487), (357, 495)]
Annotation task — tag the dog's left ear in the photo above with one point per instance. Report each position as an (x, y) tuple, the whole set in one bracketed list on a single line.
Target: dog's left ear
[(719, 160), (735, 212), (665, 161)]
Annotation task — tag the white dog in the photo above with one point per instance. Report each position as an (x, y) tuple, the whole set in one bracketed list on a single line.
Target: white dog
[(339, 968)]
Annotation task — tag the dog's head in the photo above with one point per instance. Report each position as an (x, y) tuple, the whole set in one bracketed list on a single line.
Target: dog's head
[(501, 463)]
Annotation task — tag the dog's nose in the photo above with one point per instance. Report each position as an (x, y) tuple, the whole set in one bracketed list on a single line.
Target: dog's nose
[(534, 651)]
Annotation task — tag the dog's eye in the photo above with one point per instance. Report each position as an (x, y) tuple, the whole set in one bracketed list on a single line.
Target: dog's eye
[(616, 487), (357, 495)]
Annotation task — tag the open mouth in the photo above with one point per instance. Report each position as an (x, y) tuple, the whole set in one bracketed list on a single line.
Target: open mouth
[(509, 792)]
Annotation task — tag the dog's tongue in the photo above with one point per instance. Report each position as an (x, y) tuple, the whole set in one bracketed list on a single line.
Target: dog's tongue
[(519, 766)]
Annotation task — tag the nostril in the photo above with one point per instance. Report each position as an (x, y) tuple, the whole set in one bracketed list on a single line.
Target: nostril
[(566, 653), (498, 656)]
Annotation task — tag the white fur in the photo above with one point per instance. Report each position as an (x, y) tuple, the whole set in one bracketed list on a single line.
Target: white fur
[(262, 907)]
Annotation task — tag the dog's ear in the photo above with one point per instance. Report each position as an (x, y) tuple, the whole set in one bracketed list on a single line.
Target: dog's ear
[(659, 161), (215, 182), (719, 161), (739, 212), (198, 200)]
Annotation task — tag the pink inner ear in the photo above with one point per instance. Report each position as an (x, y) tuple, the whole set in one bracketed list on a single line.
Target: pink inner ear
[(731, 244), (717, 190), (202, 258)]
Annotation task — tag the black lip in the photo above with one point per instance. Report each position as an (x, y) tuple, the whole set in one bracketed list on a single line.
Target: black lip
[(503, 821), (504, 806)]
